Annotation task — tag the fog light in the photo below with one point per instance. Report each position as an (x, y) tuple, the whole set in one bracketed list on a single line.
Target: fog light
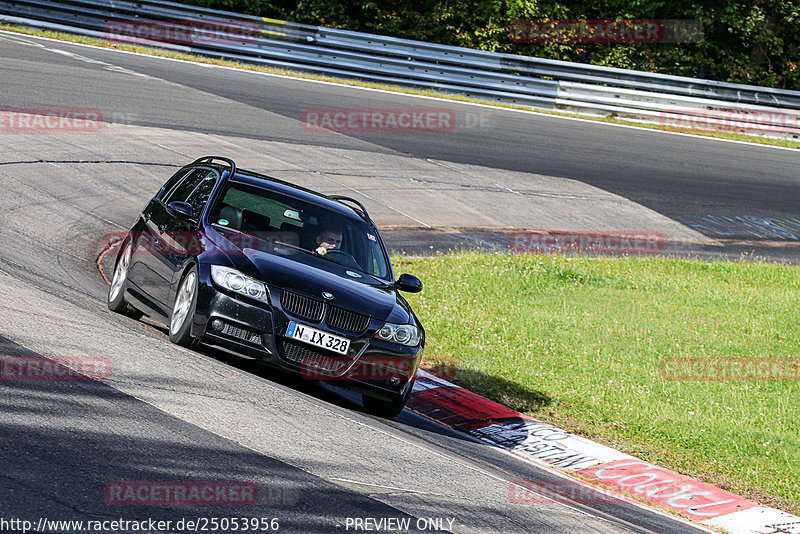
[(394, 381), (217, 325)]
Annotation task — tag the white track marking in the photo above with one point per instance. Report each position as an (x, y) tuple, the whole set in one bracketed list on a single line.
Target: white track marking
[(431, 98)]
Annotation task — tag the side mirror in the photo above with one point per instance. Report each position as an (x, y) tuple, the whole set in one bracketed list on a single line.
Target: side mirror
[(408, 283), (181, 209)]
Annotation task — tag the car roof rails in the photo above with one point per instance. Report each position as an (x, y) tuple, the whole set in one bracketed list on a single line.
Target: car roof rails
[(354, 201), (210, 159)]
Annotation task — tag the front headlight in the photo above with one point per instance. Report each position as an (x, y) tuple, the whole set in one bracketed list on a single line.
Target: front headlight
[(402, 334), (233, 280)]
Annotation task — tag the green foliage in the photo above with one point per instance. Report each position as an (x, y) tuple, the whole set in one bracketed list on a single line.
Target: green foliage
[(754, 42)]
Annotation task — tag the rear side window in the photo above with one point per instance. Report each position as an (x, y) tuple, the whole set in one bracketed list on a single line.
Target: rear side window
[(199, 197), (171, 183), (195, 189)]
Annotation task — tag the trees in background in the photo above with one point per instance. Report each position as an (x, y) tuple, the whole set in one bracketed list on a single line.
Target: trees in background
[(753, 41)]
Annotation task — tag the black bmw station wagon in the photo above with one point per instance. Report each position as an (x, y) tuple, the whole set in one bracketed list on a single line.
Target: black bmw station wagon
[(295, 278)]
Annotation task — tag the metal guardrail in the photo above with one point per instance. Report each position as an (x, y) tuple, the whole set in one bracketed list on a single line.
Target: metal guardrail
[(540, 83)]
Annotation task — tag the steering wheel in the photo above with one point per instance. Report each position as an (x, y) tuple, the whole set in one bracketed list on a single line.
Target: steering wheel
[(345, 258)]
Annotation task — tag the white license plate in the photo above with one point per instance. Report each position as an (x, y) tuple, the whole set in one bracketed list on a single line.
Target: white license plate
[(318, 338)]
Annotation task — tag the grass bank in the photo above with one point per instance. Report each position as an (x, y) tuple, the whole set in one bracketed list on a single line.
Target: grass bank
[(579, 342)]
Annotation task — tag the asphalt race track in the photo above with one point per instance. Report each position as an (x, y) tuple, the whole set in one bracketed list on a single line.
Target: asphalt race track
[(170, 414)]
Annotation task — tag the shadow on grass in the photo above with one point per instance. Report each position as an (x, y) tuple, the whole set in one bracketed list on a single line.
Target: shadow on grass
[(502, 391)]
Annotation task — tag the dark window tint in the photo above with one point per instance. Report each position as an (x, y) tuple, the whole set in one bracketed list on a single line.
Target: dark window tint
[(200, 180), (171, 183), (199, 197)]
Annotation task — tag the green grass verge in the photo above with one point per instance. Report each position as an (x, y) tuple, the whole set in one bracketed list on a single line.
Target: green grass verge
[(357, 83), (578, 342)]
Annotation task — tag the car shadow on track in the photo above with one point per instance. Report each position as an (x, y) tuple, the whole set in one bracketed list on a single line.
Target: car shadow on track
[(503, 391), (506, 392)]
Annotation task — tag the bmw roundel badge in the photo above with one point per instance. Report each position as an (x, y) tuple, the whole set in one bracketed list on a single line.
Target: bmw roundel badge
[(327, 295)]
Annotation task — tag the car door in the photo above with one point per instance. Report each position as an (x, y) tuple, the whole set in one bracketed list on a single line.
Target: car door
[(177, 235), (145, 242)]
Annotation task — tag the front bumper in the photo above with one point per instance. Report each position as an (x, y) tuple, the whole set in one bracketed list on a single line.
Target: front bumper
[(374, 367)]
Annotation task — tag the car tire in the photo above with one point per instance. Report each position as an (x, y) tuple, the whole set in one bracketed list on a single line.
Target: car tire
[(116, 291), (384, 408), (182, 317)]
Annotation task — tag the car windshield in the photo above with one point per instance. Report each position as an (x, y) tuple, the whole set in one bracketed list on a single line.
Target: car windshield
[(294, 227)]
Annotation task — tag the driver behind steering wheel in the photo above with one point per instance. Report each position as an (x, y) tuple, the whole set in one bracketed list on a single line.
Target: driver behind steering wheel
[(328, 239)]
